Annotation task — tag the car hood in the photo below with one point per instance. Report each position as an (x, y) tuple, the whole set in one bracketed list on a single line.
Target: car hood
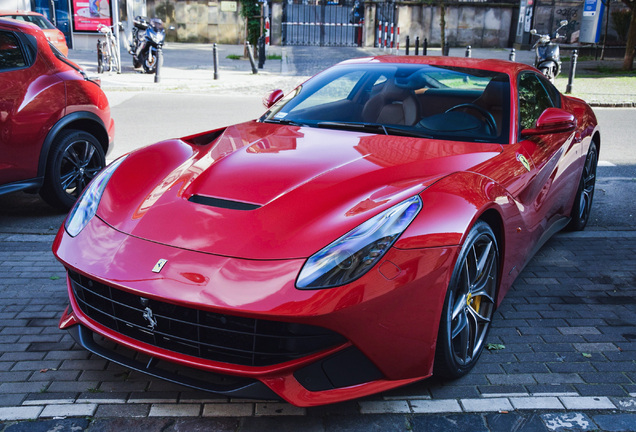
[(269, 191)]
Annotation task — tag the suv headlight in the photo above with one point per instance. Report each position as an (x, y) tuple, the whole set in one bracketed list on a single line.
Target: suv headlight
[(356, 252), (86, 206)]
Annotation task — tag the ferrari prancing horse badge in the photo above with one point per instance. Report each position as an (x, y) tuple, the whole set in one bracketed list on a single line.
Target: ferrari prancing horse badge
[(157, 268)]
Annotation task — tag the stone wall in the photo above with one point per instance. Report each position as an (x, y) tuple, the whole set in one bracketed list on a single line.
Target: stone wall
[(201, 21), (478, 25)]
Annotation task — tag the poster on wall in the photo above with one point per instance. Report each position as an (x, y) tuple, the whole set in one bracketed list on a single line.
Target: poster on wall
[(88, 15)]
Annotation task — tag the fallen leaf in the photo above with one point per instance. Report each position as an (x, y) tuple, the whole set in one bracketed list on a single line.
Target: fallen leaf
[(495, 347)]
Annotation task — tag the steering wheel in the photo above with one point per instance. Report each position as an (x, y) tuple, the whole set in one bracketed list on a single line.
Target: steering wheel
[(490, 120)]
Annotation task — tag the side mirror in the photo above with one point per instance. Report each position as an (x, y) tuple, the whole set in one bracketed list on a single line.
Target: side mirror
[(563, 23), (552, 120), (272, 98), (533, 32)]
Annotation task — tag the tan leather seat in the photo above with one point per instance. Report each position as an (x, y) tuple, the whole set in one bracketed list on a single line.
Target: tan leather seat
[(393, 105)]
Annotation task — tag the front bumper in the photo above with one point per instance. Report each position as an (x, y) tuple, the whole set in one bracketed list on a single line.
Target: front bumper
[(388, 319)]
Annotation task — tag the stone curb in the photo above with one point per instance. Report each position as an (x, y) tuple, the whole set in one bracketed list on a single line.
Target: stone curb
[(34, 409)]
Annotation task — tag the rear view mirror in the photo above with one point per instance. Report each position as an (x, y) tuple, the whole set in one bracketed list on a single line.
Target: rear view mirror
[(552, 120), (272, 98), (533, 32)]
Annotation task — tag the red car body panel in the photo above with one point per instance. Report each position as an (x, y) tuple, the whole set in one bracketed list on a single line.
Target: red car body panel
[(225, 170), (40, 100), (308, 187)]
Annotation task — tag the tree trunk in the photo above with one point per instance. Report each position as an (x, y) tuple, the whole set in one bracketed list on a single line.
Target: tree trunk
[(628, 60)]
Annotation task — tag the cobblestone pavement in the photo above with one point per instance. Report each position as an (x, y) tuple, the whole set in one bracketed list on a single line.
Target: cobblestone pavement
[(566, 335)]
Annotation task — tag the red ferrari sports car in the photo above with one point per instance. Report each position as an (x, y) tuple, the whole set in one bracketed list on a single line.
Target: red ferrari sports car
[(355, 238)]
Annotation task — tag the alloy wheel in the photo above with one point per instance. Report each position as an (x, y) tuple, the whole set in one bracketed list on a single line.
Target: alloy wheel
[(473, 300)]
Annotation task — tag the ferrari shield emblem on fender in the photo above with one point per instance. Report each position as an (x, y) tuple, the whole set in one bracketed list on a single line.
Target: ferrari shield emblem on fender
[(157, 268), (521, 158)]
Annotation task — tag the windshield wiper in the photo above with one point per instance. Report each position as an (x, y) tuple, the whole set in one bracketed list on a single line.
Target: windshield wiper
[(285, 122), (373, 127), (367, 127)]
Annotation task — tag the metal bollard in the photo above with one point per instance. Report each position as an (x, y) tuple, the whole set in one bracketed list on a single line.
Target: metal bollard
[(159, 61), (408, 41), (261, 52), (417, 45), (425, 47), (575, 56), (250, 54), (469, 51), (446, 52), (512, 55), (215, 59)]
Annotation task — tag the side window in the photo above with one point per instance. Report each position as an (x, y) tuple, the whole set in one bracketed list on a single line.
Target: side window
[(533, 100), (555, 96), (11, 55)]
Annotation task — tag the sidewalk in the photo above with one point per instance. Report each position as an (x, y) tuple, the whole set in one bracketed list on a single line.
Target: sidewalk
[(189, 67)]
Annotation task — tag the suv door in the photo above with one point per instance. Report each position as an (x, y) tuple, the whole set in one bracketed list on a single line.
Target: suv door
[(32, 99)]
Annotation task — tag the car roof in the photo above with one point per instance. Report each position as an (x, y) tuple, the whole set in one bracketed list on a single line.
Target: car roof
[(503, 66), (19, 12), (21, 26)]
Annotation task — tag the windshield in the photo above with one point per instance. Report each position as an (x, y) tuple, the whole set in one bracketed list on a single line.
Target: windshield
[(402, 99)]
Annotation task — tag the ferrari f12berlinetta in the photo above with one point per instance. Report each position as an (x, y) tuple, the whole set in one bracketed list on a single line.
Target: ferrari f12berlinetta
[(355, 238)]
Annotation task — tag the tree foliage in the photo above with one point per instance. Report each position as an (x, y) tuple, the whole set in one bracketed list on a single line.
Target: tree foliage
[(251, 11)]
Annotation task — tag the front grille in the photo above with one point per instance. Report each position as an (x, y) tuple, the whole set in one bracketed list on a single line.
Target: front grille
[(199, 333)]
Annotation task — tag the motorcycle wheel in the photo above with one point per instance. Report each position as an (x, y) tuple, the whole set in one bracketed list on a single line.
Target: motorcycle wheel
[(149, 66), (136, 63)]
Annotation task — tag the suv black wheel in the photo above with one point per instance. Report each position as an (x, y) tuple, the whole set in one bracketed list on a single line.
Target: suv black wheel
[(75, 158)]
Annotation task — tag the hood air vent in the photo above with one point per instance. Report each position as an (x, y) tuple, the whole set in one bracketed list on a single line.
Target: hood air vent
[(222, 203)]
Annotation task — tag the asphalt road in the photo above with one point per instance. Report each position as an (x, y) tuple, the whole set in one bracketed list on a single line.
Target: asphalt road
[(144, 118)]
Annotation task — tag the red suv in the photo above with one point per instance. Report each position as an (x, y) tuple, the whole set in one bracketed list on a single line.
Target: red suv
[(55, 125)]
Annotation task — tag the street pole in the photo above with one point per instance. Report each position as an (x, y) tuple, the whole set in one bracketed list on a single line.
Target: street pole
[(575, 55), (115, 6)]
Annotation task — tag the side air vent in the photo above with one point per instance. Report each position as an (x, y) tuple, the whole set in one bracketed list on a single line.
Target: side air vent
[(222, 203)]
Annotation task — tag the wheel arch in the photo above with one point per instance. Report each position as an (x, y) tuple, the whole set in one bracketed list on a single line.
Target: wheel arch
[(81, 120), (494, 219), (596, 138)]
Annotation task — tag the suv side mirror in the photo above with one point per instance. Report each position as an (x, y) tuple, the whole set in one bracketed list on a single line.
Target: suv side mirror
[(552, 120), (270, 99)]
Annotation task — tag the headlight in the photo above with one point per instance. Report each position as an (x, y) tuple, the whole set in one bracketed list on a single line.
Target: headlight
[(355, 253), (157, 37), (86, 206)]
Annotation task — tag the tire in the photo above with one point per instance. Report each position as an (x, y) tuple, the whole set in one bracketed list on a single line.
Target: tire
[(149, 67), (74, 159), (136, 63), (469, 305), (582, 206)]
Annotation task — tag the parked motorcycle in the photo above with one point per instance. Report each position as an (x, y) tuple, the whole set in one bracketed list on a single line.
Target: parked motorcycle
[(147, 41), (547, 54)]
